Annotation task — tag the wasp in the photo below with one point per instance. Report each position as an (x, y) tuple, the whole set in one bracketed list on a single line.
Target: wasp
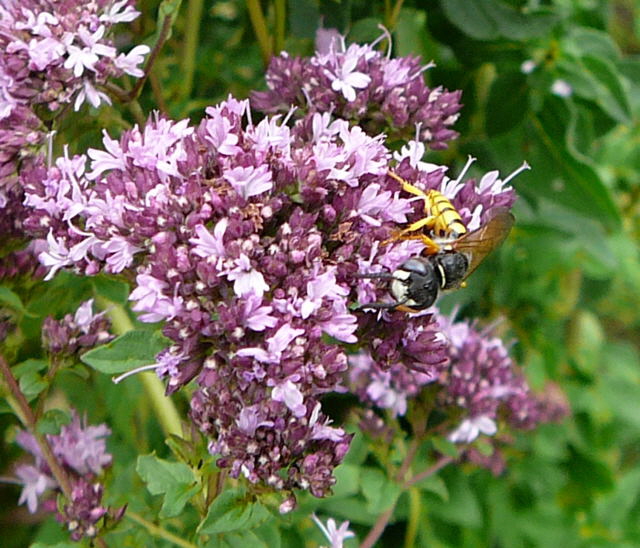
[(449, 257)]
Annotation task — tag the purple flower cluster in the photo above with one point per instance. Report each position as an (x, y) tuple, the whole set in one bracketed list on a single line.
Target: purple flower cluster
[(246, 241), (483, 380), (360, 84), (81, 450), (77, 333), (52, 53)]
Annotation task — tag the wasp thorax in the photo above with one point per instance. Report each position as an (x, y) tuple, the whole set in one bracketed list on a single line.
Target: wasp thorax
[(452, 269)]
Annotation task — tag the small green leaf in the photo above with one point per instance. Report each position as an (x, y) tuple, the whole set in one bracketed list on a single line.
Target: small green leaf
[(347, 480), (29, 366), (444, 446), (240, 539), (32, 384), (303, 18), (56, 545), (131, 350), (233, 511), (507, 104), (493, 20), (11, 299), (611, 94), (435, 485), (112, 290), (580, 41), (175, 480), (380, 493), (578, 186), (167, 14), (52, 421)]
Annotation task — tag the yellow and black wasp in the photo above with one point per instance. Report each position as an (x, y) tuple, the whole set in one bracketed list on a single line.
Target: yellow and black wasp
[(450, 255)]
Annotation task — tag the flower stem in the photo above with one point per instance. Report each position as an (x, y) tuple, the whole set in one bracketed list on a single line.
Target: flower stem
[(194, 15), (165, 410), (378, 528), (383, 519), (260, 28), (281, 17), (156, 531), (163, 35), (29, 420), (429, 471), (414, 517)]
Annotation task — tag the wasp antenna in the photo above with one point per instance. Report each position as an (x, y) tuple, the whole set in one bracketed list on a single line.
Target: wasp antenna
[(377, 306), (375, 275)]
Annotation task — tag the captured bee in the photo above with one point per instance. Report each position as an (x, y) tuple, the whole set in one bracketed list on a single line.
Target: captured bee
[(416, 284), (441, 219)]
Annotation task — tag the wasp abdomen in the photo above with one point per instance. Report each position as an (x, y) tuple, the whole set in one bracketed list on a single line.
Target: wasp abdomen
[(448, 223)]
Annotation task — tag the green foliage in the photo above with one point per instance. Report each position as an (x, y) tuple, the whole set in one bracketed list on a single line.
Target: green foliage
[(131, 350)]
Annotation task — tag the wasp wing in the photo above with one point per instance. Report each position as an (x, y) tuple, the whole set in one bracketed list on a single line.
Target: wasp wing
[(479, 243)]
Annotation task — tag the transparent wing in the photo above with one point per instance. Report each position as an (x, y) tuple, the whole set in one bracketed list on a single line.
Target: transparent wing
[(479, 243)]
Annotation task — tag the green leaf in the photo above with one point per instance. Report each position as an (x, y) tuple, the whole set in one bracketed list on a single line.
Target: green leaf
[(131, 350), (444, 446), (29, 366), (435, 485), (580, 41), (303, 18), (614, 509), (380, 493), (11, 299), (580, 188), (112, 290), (472, 18), (492, 20), (233, 510), (52, 421), (32, 384), (241, 539), (507, 103), (347, 480), (463, 507), (167, 14), (265, 536), (175, 480), (56, 545)]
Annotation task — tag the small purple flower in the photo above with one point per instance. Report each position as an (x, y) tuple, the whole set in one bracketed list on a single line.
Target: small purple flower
[(250, 181), (80, 449), (334, 534), (35, 484), (77, 333)]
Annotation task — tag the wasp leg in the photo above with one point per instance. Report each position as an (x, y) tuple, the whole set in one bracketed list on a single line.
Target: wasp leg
[(404, 308), (412, 189), (425, 222)]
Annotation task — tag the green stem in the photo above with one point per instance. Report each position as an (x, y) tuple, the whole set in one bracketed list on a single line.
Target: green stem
[(415, 503), (163, 35), (194, 15), (29, 421), (166, 411), (260, 28), (391, 14), (383, 519), (156, 531), (281, 18)]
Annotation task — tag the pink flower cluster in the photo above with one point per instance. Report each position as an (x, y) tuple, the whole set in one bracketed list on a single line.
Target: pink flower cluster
[(360, 84), (246, 241)]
